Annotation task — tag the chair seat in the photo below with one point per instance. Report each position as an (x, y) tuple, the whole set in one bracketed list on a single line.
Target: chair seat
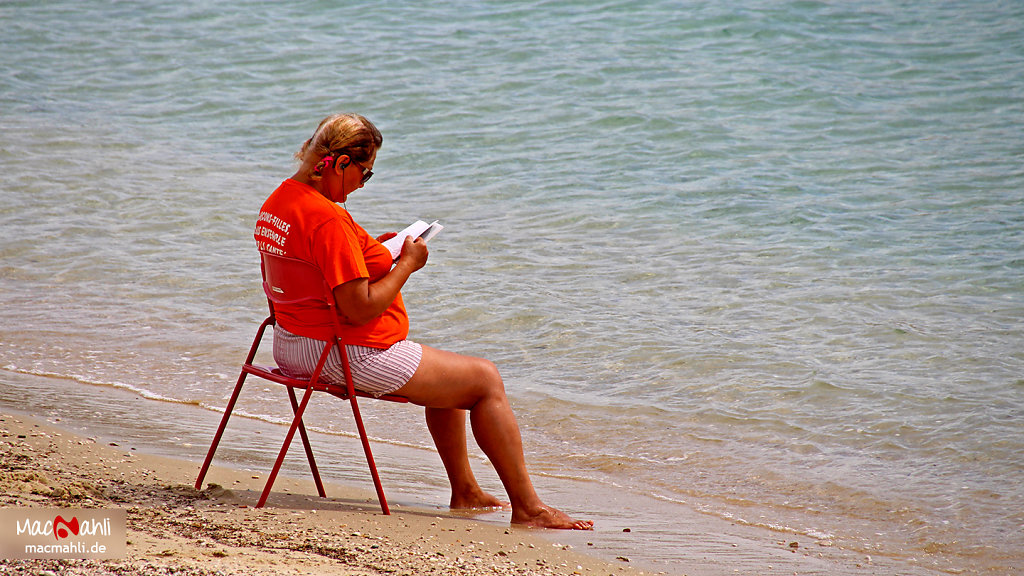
[(274, 374)]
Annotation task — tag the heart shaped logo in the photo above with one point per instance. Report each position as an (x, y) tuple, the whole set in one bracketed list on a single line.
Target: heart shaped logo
[(63, 528)]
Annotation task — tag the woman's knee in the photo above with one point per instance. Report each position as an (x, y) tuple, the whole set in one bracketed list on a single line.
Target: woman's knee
[(486, 385), (488, 371), (482, 377), (448, 380), (490, 377)]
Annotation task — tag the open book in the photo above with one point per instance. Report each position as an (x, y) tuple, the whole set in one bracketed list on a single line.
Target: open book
[(418, 229)]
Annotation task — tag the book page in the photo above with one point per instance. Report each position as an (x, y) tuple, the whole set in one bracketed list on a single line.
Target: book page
[(431, 231), (418, 229)]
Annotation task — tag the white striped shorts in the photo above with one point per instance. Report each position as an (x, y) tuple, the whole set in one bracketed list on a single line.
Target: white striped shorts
[(376, 371)]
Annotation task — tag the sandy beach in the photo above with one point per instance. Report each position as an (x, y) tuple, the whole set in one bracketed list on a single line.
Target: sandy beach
[(174, 529)]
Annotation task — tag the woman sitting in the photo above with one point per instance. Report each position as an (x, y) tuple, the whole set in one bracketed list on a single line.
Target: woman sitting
[(302, 220)]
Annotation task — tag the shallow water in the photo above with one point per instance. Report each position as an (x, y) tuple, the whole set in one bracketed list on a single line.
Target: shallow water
[(761, 261)]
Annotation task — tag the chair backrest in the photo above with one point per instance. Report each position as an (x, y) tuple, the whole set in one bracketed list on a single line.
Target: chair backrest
[(292, 283), (289, 281)]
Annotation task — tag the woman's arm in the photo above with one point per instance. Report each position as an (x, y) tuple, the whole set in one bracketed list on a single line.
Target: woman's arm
[(360, 301)]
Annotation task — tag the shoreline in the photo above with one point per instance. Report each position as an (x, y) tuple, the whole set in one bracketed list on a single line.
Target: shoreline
[(216, 531), (634, 532)]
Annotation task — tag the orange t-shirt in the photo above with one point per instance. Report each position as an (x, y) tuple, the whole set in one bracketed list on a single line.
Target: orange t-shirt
[(298, 222)]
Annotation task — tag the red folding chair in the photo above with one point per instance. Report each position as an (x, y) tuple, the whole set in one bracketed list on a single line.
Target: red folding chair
[(290, 281)]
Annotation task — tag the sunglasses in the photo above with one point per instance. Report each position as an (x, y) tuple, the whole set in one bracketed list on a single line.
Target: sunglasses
[(367, 173)]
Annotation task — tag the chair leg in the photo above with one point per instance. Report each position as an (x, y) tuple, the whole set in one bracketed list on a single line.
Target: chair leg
[(306, 445), (220, 431), (369, 457), (284, 447), (234, 397)]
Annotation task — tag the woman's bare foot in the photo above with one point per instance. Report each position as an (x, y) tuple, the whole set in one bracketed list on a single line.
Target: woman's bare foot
[(547, 517), (476, 501)]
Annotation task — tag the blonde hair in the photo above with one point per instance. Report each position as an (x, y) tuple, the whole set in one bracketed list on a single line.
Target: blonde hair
[(349, 133)]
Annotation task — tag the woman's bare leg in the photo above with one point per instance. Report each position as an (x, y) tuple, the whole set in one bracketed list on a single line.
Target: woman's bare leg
[(445, 380), (448, 428)]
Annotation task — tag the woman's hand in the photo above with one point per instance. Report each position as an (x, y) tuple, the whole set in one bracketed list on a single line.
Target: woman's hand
[(414, 253)]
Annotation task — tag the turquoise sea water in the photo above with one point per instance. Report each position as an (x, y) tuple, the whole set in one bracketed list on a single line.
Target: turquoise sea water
[(759, 260)]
